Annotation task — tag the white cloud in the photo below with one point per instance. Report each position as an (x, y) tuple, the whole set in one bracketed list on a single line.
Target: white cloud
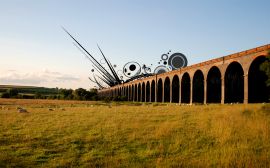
[(45, 77)]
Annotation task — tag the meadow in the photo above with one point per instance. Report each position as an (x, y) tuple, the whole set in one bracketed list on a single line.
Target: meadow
[(55, 133)]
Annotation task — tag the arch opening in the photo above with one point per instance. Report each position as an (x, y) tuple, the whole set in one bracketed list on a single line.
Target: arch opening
[(234, 83), (159, 91), (132, 93), (214, 86), (153, 91), (126, 92), (139, 92), (175, 89), (135, 93), (185, 88), (198, 87), (129, 93), (167, 90), (143, 92), (147, 91), (258, 91)]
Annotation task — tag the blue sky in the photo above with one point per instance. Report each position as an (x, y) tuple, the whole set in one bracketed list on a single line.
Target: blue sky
[(34, 50)]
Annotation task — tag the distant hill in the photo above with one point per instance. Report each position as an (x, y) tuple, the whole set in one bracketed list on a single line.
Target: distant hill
[(29, 89)]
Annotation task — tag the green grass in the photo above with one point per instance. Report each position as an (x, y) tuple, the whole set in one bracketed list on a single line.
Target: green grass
[(93, 134)]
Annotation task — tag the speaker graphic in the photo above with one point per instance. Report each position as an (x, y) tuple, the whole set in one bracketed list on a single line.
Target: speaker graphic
[(177, 60), (131, 69), (164, 57), (161, 69)]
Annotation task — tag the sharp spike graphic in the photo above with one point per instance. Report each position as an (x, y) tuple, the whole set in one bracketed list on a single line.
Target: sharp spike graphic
[(104, 73), (110, 66), (98, 67), (104, 80), (94, 61), (91, 80), (98, 83)]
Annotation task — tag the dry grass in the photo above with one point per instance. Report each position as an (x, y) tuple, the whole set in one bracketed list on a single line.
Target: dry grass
[(90, 134)]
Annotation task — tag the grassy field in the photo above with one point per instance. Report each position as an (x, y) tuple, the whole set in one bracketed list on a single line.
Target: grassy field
[(92, 134)]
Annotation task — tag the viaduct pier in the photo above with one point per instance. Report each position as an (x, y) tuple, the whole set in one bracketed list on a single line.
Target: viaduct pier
[(234, 78)]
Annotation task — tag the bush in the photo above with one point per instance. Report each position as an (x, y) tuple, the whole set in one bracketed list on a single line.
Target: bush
[(5, 95), (28, 96), (13, 92), (107, 99), (119, 98)]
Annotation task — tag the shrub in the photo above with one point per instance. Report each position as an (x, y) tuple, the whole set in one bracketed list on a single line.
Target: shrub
[(13, 92), (5, 95)]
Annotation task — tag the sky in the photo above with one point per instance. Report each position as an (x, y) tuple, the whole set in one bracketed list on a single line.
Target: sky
[(35, 51)]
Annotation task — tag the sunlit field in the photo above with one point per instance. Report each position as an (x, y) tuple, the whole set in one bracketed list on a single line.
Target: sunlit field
[(95, 134)]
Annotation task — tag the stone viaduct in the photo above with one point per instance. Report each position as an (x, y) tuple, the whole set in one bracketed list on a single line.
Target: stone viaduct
[(235, 78)]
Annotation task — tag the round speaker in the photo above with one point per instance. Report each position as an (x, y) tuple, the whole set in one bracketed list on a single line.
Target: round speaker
[(161, 69), (177, 60), (164, 56), (131, 69)]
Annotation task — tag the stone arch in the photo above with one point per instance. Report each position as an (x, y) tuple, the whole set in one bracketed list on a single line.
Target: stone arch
[(198, 87), (139, 92), (147, 91), (258, 91), (175, 89), (143, 92), (213, 85), (234, 83), (167, 89), (185, 88), (159, 90), (153, 91)]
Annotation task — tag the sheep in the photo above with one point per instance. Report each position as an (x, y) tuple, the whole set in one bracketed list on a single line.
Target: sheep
[(21, 110)]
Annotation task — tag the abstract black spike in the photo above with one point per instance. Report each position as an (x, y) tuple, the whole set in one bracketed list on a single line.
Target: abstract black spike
[(110, 66), (98, 83), (97, 66), (109, 78), (95, 62)]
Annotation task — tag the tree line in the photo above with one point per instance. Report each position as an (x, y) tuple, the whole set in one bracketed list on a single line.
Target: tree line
[(61, 94)]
